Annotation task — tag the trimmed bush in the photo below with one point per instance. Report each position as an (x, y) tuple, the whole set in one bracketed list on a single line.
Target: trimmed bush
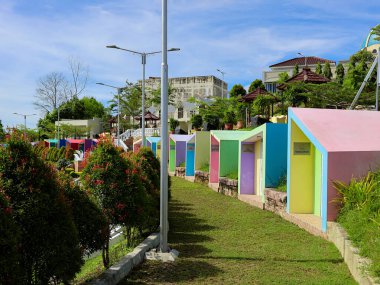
[(48, 246)]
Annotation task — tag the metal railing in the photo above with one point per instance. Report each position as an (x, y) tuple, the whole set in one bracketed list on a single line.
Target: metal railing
[(149, 132)]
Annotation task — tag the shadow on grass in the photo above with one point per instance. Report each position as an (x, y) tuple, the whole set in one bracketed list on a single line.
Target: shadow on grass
[(151, 272), (330, 260)]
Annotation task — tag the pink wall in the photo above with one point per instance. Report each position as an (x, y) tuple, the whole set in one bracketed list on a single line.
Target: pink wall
[(342, 166), (214, 161)]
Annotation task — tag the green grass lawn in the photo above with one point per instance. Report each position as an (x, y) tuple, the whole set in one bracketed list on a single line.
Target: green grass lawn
[(224, 241)]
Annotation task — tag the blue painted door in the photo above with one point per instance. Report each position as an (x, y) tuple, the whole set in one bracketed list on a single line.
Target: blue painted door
[(190, 159)]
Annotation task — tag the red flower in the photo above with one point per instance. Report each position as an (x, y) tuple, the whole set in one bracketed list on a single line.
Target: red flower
[(99, 182)]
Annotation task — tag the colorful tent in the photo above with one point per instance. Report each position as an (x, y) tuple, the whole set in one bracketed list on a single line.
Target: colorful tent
[(51, 143), (325, 146), (197, 152), (262, 159), (224, 153), (76, 144), (177, 150), (153, 143)]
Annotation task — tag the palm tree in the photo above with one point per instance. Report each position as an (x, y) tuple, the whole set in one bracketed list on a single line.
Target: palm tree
[(376, 31)]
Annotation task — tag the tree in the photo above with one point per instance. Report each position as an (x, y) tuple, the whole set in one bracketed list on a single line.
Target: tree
[(51, 92), (318, 69), (255, 84), (116, 187), (48, 245), (262, 105), (295, 70), (327, 70), (339, 73), (237, 90), (376, 31), (197, 121), (358, 68), (282, 77), (79, 75), (92, 108), (2, 133), (154, 96)]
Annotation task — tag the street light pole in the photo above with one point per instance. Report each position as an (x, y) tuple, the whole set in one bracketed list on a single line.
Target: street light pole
[(222, 72), (164, 133), (143, 60), (25, 115), (119, 90), (303, 56)]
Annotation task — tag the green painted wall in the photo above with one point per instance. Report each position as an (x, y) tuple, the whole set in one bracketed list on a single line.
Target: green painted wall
[(317, 182), (202, 149), (172, 156), (229, 157)]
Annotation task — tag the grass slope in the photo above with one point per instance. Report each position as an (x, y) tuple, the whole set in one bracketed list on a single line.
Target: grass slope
[(224, 241)]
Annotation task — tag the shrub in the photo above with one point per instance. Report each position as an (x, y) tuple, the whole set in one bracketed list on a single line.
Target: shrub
[(48, 246), (173, 123), (360, 215), (197, 121), (9, 239), (212, 122), (116, 186), (90, 221)]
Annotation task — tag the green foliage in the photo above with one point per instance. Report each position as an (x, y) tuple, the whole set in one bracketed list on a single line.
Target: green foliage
[(233, 175), (360, 215), (282, 183), (116, 185), (283, 77), (53, 154), (237, 90), (155, 96), (197, 121), (9, 239), (89, 220), (376, 31), (339, 73), (212, 121), (173, 123), (358, 69), (255, 84), (205, 167), (48, 245), (2, 133), (296, 70), (318, 69), (262, 105), (229, 117), (327, 70), (92, 108)]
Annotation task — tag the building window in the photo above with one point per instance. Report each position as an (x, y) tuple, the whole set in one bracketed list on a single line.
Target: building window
[(180, 113)]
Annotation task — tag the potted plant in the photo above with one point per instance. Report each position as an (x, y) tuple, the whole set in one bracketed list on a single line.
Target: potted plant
[(196, 122), (229, 120), (173, 123)]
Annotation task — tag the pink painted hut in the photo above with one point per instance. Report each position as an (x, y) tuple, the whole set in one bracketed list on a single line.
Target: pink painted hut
[(325, 146)]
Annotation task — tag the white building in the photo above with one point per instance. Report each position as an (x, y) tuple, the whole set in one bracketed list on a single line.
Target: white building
[(200, 87), (93, 126)]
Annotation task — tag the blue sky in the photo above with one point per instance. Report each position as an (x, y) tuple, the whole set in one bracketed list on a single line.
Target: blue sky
[(241, 37)]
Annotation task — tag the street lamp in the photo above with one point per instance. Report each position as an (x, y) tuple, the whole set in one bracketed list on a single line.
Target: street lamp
[(222, 72), (303, 56), (119, 89), (143, 60), (25, 115)]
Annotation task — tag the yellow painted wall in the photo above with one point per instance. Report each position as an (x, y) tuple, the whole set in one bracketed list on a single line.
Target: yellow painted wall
[(301, 176), (258, 167)]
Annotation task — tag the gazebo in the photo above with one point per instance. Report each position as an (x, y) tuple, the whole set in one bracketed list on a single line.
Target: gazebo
[(148, 117), (307, 76)]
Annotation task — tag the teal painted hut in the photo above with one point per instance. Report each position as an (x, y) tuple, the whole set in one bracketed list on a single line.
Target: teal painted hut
[(197, 152), (177, 150), (153, 143)]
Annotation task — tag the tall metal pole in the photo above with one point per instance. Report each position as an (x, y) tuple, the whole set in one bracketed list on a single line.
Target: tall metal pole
[(143, 57), (25, 126), (58, 124), (164, 135), (118, 116)]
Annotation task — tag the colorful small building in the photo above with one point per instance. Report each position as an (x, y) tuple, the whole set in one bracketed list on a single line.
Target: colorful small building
[(154, 143), (224, 153), (325, 146), (177, 150), (51, 143), (75, 144), (262, 159), (137, 145), (197, 152)]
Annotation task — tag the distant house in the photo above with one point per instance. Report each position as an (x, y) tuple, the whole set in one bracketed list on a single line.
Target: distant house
[(92, 127), (307, 76), (271, 77)]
